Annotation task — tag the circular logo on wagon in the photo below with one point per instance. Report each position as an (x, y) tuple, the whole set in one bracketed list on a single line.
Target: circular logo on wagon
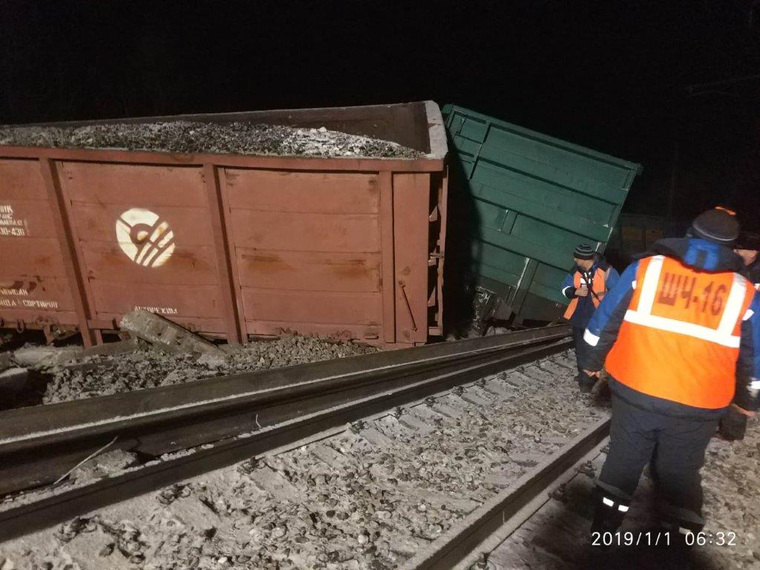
[(144, 237)]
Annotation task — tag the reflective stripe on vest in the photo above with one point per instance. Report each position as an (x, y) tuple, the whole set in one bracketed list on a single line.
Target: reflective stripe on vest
[(680, 337), (724, 334), (598, 284)]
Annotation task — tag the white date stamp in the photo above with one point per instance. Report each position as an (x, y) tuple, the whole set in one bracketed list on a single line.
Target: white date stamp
[(630, 538), (662, 539)]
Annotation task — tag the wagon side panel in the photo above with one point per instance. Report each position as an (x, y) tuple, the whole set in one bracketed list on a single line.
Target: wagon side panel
[(35, 290), (144, 240), (306, 251)]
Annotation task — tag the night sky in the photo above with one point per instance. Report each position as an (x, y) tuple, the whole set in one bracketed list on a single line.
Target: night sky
[(674, 85)]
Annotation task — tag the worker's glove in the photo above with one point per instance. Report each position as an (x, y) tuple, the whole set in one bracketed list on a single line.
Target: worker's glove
[(733, 425)]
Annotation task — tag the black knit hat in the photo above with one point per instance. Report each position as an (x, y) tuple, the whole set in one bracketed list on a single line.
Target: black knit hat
[(718, 225), (583, 251)]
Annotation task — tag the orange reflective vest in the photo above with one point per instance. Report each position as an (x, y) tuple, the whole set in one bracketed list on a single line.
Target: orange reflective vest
[(599, 287), (680, 336)]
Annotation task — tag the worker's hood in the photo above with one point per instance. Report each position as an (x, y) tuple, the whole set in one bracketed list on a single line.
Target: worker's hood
[(699, 254)]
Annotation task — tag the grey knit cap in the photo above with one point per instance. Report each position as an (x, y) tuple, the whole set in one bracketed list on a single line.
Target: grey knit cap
[(583, 251), (718, 225)]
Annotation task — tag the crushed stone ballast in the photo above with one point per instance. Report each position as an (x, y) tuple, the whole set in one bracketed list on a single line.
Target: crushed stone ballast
[(369, 496), (41, 442)]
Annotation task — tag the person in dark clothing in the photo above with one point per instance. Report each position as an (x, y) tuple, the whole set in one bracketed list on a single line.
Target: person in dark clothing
[(680, 336), (733, 426), (747, 247), (586, 284)]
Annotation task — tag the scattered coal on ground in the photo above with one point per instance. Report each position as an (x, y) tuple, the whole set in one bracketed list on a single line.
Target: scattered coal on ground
[(150, 368)]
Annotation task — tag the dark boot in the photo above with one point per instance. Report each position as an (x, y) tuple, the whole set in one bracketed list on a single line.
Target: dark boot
[(607, 519), (680, 524)]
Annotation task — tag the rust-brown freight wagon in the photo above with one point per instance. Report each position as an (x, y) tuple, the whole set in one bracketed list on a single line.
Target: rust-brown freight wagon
[(345, 242)]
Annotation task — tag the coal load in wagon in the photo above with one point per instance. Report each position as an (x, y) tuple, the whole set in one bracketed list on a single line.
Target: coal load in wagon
[(206, 137)]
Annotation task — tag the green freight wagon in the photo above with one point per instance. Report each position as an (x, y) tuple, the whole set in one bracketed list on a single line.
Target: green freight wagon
[(520, 202)]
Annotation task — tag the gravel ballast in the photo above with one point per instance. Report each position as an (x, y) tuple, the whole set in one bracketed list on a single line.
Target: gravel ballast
[(557, 536), (376, 493), (732, 499), (367, 498), (203, 137)]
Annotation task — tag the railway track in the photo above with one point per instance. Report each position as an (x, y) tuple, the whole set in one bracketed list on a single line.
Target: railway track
[(38, 444), (504, 533), (287, 405), (463, 447), (553, 535)]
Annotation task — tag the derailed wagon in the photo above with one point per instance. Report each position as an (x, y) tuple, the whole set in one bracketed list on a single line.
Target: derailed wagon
[(523, 200), (340, 239)]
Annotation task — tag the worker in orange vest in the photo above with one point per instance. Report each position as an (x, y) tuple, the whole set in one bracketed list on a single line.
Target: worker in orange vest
[(680, 336), (586, 285), (733, 425)]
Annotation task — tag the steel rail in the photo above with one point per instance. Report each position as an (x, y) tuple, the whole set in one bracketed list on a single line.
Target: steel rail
[(461, 542), (39, 444), (46, 512)]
